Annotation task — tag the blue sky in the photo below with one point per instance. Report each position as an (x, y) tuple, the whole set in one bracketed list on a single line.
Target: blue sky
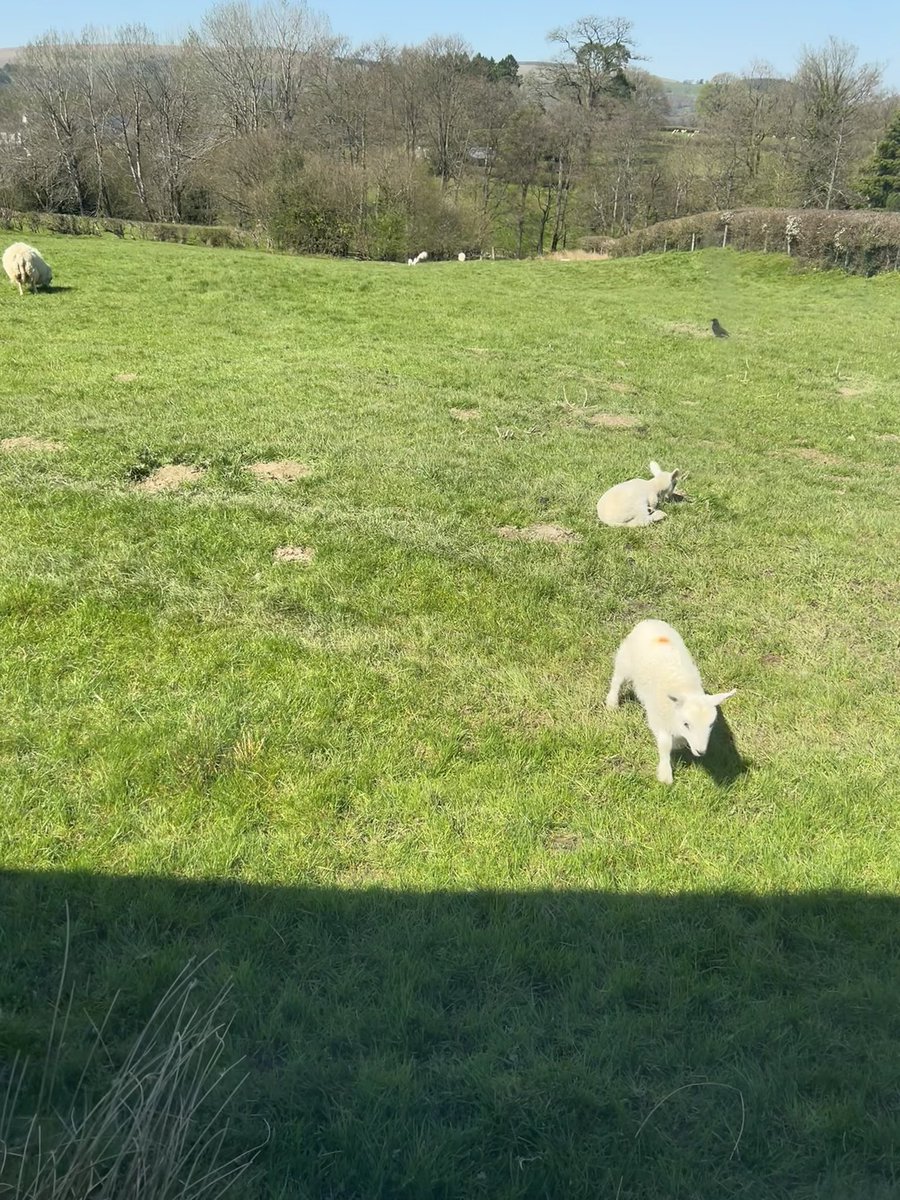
[(682, 39)]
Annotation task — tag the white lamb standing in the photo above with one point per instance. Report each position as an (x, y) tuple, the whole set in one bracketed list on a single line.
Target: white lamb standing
[(410, 262), (658, 665), (24, 265), (634, 501), (461, 257)]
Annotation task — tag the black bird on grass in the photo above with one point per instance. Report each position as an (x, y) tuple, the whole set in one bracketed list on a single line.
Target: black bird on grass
[(718, 330)]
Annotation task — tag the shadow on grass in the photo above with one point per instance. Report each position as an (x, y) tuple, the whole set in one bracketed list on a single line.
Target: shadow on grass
[(504, 1045), (722, 760)]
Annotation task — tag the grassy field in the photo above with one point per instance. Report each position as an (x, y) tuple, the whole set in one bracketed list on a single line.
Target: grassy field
[(473, 942)]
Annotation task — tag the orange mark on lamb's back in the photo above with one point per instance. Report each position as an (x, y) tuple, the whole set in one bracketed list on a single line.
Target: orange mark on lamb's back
[(663, 640)]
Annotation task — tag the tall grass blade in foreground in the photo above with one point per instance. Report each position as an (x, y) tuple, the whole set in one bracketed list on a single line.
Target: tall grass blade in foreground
[(156, 1130)]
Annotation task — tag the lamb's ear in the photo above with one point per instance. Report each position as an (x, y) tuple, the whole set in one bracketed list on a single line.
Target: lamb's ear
[(655, 468), (675, 475), (717, 700)]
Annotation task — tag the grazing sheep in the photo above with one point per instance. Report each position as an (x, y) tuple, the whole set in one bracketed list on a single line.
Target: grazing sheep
[(461, 257), (410, 262), (24, 265), (634, 501), (657, 664), (422, 256)]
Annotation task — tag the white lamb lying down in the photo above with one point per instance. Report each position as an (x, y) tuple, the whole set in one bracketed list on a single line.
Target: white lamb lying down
[(662, 674), (24, 265), (634, 501)]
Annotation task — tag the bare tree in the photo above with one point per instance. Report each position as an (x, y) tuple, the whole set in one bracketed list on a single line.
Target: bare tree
[(741, 116), (345, 101), (49, 81), (493, 105), (295, 36), (256, 59), (231, 44), (446, 80), (88, 78), (177, 141), (592, 67), (404, 73), (526, 151), (121, 68), (833, 90), (626, 172)]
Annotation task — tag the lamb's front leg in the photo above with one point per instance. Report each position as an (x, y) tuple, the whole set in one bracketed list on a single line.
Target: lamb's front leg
[(664, 746)]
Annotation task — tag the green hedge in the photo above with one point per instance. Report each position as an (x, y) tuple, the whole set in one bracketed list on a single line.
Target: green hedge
[(862, 242), (153, 231)]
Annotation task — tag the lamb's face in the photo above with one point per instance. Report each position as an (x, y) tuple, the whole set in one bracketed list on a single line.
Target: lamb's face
[(666, 481), (694, 720)]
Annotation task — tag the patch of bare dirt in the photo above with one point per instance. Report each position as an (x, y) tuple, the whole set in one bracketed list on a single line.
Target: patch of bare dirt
[(294, 554), (125, 377), (563, 841), (624, 389), (168, 478), (554, 534), (11, 445), (285, 472), (809, 454), (772, 660), (888, 437), (465, 414), (614, 421)]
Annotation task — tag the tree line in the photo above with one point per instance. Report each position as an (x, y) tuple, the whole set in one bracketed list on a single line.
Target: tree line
[(262, 118)]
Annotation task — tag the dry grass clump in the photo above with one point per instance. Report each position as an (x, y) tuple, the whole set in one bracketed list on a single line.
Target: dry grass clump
[(156, 1130)]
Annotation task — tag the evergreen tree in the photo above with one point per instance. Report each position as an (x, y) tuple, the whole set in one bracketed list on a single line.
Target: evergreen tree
[(507, 68), (881, 183)]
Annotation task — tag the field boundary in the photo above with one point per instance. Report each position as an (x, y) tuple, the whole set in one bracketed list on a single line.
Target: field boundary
[(856, 241)]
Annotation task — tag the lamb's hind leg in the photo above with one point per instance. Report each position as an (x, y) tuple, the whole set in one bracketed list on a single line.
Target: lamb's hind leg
[(618, 679)]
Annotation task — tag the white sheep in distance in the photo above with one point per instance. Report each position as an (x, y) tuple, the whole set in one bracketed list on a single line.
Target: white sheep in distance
[(421, 256), (461, 257), (410, 262), (655, 661), (24, 265), (634, 501)]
